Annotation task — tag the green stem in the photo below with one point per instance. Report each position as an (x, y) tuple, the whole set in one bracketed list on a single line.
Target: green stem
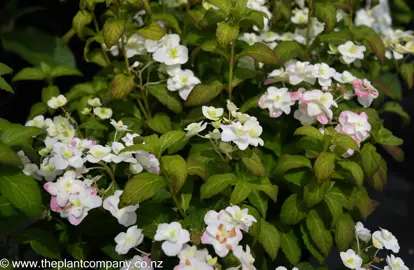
[(308, 25), (231, 63), (177, 204), (95, 23), (125, 56)]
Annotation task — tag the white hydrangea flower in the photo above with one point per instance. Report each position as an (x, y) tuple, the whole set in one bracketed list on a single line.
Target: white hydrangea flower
[(279, 75), (128, 139), (284, 268), (351, 52), (237, 217), (315, 104), (119, 157), (81, 204), (324, 73), (102, 112), (395, 263), (169, 41), (99, 153), (362, 233), (38, 121), (250, 38), (385, 238), (66, 155), (195, 128), (48, 170), (174, 237), (126, 216), (135, 46), (191, 258), (183, 81), (171, 55), (245, 257), (212, 113), (299, 72), (148, 161), (344, 77), (119, 126), (277, 101), (269, 36), (351, 259), (300, 16), (95, 102), (125, 241), (57, 102)]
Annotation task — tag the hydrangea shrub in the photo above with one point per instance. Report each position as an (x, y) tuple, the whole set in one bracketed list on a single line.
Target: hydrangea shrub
[(216, 134)]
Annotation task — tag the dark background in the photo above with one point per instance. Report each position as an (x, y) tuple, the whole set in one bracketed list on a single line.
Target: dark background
[(395, 211)]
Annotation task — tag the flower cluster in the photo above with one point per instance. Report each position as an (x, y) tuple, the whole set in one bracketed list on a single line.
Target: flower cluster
[(380, 239), (239, 128), (72, 198)]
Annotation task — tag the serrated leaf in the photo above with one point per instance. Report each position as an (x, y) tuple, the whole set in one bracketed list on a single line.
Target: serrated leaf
[(254, 164), (169, 138), (226, 33), (334, 200), (365, 33), (309, 131), (18, 135), (224, 5), (310, 246), (93, 124), (344, 232), (287, 50), (8, 156), (326, 12), (258, 200), (175, 170), (371, 160), (395, 107), (216, 184), (355, 170), (22, 191), (161, 93), (113, 31), (363, 202), (289, 244), (152, 31), (269, 238), (319, 234), (140, 188), (407, 72), (288, 162), (160, 123), (29, 74), (81, 19), (203, 93), (313, 193), (240, 192), (344, 141), (169, 19), (379, 178), (292, 211), (196, 165), (385, 136), (260, 52)]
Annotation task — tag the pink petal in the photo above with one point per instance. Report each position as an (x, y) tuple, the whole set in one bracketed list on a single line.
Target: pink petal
[(322, 119)]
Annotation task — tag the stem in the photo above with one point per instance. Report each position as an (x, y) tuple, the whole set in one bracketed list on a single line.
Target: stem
[(109, 172), (95, 23), (231, 70), (125, 55), (308, 25), (359, 250), (177, 204), (142, 252), (376, 267)]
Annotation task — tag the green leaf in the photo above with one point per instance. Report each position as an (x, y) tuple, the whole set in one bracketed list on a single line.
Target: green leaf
[(344, 232), (22, 191), (313, 193), (395, 107), (344, 141), (258, 200), (38, 108), (169, 19), (186, 194), (260, 52), (287, 50), (203, 93), (19, 135), (288, 162), (81, 19), (5, 86), (60, 71), (8, 156), (79, 251), (334, 199), (363, 202), (140, 188), (250, 103), (379, 179), (326, 12), (196, 165), (365, 33), (80, 90), (267, 187), (93, 124), (385, 136), (355, 170), (240, 192), (42, 242), (254, 164), (226, 33), (216, 184), (292, 211), (6, 208), (161, 93), (269, 238), (152, 31), (224, 5), (171, 137), (336, 38), (29, 74), (289, 244), (310, 246), (371, 160), (319, 234), (5, 69), (175, 170), (407, 72), (324, 166), (389, 86), (48, 92), (309, 131), (160, 123), (113, 30), (36, 46)]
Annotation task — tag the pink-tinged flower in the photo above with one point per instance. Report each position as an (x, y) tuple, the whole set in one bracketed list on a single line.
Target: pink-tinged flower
[(245, 257), (148, 161), (355, 125), (315, 104), (221, 234), (365, 91)]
